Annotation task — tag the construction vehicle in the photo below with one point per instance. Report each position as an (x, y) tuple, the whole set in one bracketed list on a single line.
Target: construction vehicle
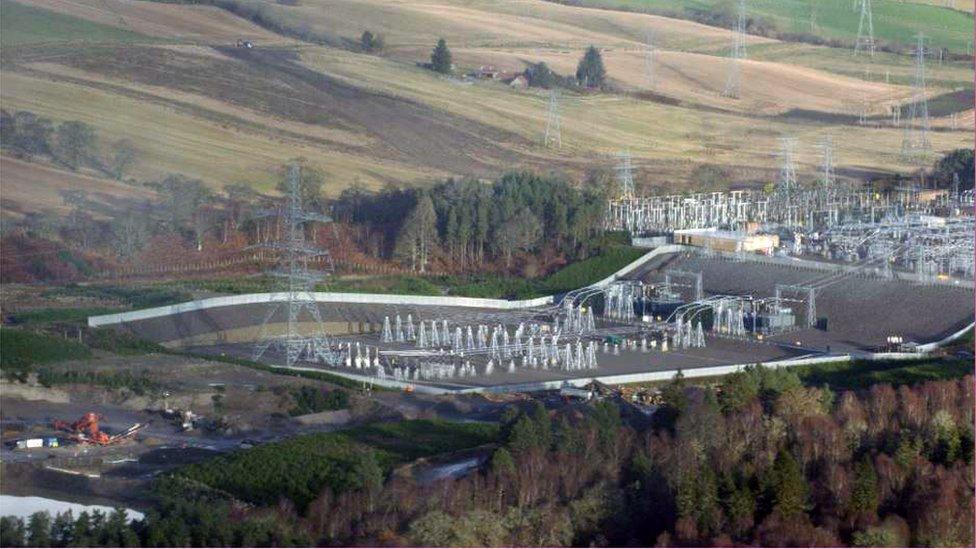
[(86, 431)]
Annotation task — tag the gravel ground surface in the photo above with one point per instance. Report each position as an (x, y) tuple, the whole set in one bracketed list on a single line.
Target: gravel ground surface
[(861, 311)]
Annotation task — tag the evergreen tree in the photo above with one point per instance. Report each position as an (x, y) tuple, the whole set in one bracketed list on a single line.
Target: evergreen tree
[(440, 58), (864, 492), (738, 390), (12, 532), (39, 529), (590, 72), (787, 487), (62, 530), (502, 463), (540, 75)]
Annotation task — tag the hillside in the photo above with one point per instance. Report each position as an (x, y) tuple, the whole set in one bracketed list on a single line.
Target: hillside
[(168, 77), (947, 23), (44, 187)]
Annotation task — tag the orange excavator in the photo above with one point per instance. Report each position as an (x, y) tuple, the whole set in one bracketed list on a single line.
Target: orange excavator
[(86, 431)]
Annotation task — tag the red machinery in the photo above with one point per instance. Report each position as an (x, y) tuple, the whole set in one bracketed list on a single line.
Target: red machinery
[(86, 430)]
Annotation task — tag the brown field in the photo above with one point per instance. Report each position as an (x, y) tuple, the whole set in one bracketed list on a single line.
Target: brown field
[(767, 88)]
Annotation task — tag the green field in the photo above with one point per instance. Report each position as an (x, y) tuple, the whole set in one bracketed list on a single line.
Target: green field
[(300, 467), (23, 25), (895, 22)]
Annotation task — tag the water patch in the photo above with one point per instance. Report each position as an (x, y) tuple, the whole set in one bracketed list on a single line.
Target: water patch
[(25, 506)]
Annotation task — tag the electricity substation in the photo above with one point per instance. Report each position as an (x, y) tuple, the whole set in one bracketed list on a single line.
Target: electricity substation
[(795, 272), (830, 272)]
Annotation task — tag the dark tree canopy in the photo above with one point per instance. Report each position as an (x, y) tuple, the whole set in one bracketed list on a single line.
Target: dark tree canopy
[(371, 43), (590, 72), (958, 163), (440, 58)]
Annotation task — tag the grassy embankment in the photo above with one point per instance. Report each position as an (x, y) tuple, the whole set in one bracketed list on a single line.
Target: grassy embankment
[(574, 275), (860, 374)]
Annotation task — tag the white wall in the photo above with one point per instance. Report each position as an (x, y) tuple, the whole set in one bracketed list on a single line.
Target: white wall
[(378, 299)]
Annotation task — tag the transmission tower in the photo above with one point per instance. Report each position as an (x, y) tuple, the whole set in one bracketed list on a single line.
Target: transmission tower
[(865, 30), (649, 52), (553, 137), (784, 200), (828, 162), (295, 254), (737, 54), (787, 171), (625, 175), (915, 145)]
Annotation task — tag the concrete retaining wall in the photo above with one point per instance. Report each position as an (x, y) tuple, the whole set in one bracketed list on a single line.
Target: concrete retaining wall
[(929, 347), (378, 299)]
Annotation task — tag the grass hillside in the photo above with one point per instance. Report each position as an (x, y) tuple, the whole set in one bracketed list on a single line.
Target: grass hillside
[(167, 77), (894, 21), (21, 25)]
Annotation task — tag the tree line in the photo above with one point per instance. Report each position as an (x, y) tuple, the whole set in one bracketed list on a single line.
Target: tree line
[(469, 222), (521, 222), (758, 459)]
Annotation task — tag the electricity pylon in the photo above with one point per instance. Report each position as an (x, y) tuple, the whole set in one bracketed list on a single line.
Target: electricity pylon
[(553, 136), (737, 54), (649, 52), (865, 30), (299, 284), (916, 145)]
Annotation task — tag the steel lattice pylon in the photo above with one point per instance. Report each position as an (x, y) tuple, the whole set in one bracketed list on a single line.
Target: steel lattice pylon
[(295, 254), (625, 175), (649, 58), (916, 145), (553, 136), (865, 30), (737, 54)]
